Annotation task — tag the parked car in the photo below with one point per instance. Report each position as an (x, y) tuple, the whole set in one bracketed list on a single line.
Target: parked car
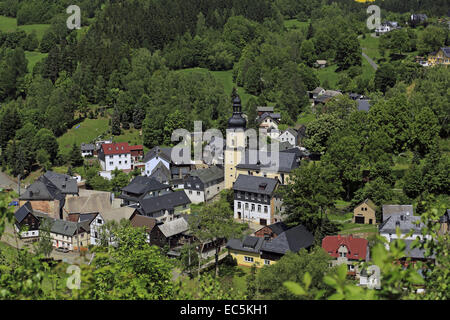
[(61, 249), (14, 203)]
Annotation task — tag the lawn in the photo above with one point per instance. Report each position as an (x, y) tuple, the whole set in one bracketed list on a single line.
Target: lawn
[(371, 47), (33, 57), (85, 132), (330, 75), (8, 24)]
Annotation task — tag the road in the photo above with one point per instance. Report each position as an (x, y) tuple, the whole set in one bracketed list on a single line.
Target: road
[(371, 62), (5, 180)]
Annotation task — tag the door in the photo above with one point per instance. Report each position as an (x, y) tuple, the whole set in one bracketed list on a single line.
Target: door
[(359, 220), (370, 221), (263, 222)]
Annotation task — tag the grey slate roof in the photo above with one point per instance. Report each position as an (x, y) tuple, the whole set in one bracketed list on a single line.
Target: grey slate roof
[(174, 227), (405, 223), (395, 209), (165, 202), (292, 131), (249, 244), (209, 174), (23, 211), (165, 153), (293, 240), (278, 227), (87, 147), (66, 228), (446, 51), (416, 253), (161, 173), (42, 189), (286, 161), (65, 183), (143, 184), (255, 184), (274, 116), (88, 217)]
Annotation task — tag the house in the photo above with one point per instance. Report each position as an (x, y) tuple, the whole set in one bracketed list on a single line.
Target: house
[(364, 213), (394, 209), (89, 201), (347, 250), (386, 27), (147, 223), (277, 165), (142, 187), (418, 18), (172, 233), (270, 122), (316, 92), (178, 169), (48, 193), (137, 154), (166, 207), (271, 231), (325, 96), (70, 235), (204, 184), (291, 136), (442, 56), (403, 221), (98, 145), (255, 200), (116, 156), (27, 222), (260, 251), (87, 150), (320, 64), (94, 221)]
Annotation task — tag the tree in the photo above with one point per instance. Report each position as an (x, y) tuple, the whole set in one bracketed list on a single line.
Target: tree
[(43, 159), (385, 77), (312, 191), (293, 267), (45, 243), (213, 224), (115, 123), (75, 157), (46, 140), (431, 39), (308, 53), (119, 180), (348, 52), (424, 131), (319, 131)]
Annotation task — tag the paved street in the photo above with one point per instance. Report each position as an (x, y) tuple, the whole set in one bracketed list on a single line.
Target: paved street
[(5, 180)]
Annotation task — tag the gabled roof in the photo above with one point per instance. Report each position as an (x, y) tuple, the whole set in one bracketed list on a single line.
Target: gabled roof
[(274, 116), (293, 240), (248, 244), (42, 189), (405, 223), (142, 184), (88, 217), (87, 147), (117, 214), (174, 227), (165, 202), (116, 148), (67, 228), (23, 211), (94, 202), (161, 173), (285, 161), (209, 174), (164, 153), (415, 253), (446, 51), (369, 203), (395, 209), (255, 184), (357, 247), (139, 221), (317, 90), (278, 227), (264, 109)]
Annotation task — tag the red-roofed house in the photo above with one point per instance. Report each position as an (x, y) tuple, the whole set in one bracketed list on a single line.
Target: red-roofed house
[(347, 250), (118, 155)]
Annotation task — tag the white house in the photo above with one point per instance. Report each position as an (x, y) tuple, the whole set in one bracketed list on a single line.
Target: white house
[(290, 135), (94, 221), (255, 200)]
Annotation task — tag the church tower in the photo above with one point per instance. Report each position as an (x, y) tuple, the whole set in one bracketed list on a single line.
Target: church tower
[(235, 142)]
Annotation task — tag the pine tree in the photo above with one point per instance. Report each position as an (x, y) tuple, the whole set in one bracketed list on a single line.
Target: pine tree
[(115, 124)]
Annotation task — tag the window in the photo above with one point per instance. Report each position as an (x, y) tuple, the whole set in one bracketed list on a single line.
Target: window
[(126, 161), (239, 205), (190, 191), (99, 221), (198, 193), (110, 163), (246, 206), (120, 162), (265, 209), (259, 208), (248, 259), (266, 262), (253, 207)]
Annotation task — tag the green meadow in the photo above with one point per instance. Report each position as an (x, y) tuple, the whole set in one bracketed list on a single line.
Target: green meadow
[(8, 24)]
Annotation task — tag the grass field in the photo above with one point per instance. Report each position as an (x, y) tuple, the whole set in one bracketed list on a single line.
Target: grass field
[(371, 47), (33, 57), (8, 24), (329, 74)]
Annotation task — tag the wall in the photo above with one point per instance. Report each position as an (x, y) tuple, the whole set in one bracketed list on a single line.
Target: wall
[(239, 256)]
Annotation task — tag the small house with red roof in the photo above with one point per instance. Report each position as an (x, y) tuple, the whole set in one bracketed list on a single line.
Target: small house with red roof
[(348, 250), (120, 156)]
